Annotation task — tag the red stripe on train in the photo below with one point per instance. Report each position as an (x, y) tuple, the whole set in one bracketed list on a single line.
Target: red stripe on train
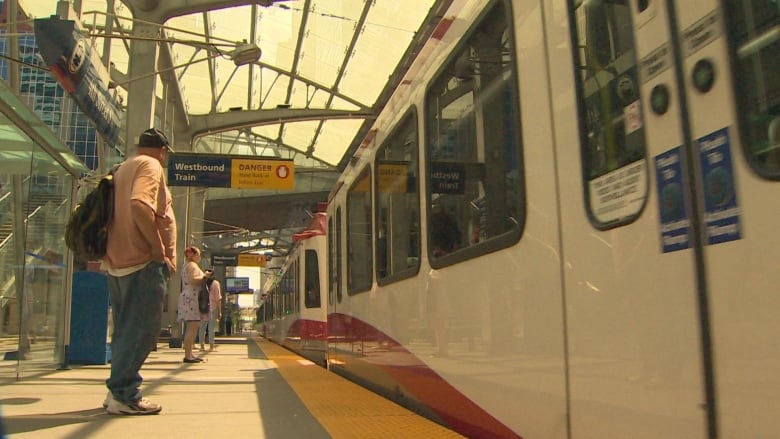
[(419, 381)]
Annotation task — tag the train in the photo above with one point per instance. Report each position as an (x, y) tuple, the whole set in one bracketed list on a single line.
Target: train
[(294, 313), (563, 225)]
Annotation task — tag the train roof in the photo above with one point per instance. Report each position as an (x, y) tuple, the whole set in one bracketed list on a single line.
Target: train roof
[(317, 227)]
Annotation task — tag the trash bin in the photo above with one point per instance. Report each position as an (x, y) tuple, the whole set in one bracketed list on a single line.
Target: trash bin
[(89, 317)]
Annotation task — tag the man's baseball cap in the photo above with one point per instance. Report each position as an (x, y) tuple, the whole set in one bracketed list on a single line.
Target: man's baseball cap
[(154, 138)]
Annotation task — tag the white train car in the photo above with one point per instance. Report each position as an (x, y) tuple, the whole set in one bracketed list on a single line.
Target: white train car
[(294, 308), (564, 223)]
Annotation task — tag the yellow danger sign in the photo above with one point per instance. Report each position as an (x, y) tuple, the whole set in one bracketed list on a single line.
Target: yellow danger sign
[(251, 260), (262, 174)]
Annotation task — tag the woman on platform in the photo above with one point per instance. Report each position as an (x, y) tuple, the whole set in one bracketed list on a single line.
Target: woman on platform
[(191, 279)]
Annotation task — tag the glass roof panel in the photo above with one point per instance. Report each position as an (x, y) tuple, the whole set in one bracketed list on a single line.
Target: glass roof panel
[(270, 132), (389, 28), (277, 32), (333, 55), (299, 135), (333, 134), (330, 29)]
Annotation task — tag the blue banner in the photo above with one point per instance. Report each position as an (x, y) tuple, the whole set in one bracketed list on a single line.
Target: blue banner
[(675, 225), (721, 210), (75, 63)]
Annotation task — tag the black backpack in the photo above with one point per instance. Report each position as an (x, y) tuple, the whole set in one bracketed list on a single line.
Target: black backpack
[(203, 295), (86, 232)]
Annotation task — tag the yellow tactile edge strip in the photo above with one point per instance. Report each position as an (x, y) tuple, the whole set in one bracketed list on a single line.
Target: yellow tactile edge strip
[(345, 409)]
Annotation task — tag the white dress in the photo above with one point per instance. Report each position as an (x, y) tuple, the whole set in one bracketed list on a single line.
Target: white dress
[(191, 278)]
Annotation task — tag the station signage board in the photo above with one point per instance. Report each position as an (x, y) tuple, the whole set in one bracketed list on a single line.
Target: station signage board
[(239, 260), (236, 284), (251, 260), (225, 260), (227, 171)]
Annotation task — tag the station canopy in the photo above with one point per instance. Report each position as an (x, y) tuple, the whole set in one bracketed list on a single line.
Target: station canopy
[(314, 55)]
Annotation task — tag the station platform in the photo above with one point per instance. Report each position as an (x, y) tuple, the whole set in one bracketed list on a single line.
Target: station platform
[(247, 388)]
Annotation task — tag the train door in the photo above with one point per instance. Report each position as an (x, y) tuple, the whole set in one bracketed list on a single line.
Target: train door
[(678, 104), (729, 83), (335, 295)]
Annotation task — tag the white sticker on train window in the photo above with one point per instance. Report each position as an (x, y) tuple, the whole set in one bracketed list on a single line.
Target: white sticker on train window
[(632, 115), (620, 193)]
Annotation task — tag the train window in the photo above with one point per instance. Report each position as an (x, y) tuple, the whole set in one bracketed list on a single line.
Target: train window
[(614, 152), (336, 267), (398, 203), (289, 288), (753, 36), (359, 260), (332, 273), (312, 280), (475, 185), (296, 298)]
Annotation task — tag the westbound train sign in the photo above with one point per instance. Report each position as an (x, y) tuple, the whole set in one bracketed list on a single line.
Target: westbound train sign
[(237, 172)]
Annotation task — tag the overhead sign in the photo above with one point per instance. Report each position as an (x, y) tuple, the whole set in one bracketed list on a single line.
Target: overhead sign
[(251, 260), (237, 172), (224, 260), (239, 260), (236, 284)]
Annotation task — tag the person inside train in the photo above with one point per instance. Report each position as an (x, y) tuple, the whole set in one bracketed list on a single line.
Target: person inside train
[(445, 233), (381, 251)]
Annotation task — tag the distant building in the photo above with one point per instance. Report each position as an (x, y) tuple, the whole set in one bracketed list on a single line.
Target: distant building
[(47, 98)]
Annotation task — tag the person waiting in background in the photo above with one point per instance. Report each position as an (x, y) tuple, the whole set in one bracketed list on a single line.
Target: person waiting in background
[(228, 322), (215, 311), (191, 279)]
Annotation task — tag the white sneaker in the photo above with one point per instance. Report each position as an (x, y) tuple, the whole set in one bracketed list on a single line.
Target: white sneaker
[(109, 398), (141, 407)]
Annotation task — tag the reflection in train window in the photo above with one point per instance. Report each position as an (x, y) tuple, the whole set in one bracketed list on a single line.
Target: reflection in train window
[(359, 259), (397, 203), (475, 181), (312, 280), (753, 29), (612, 129), (332, 273), (288, 286), (334, 244)]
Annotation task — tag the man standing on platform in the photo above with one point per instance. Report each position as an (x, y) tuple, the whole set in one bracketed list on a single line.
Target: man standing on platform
[(140, 259)]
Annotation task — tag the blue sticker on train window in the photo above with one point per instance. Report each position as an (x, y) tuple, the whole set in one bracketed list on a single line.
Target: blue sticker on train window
[(721, 210), (675, 225)]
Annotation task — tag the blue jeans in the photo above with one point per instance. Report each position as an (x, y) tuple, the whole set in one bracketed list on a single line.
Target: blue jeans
[(212, 323), (136, 309)]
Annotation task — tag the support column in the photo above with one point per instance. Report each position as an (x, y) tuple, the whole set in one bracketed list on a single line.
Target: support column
[(141, 90)]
